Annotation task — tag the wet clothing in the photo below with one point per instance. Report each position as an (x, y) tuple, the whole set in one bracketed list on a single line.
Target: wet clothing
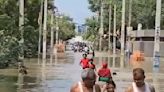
[(104, 73), (81, 87), (136, 89), (104, 79), (84, 63)]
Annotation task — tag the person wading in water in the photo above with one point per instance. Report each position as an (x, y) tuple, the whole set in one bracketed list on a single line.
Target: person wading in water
[(104, 73), (88, 82), (110, 86), (84, 62), (139, 85)]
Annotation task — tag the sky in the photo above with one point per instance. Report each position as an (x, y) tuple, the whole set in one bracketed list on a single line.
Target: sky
[(76, 9)]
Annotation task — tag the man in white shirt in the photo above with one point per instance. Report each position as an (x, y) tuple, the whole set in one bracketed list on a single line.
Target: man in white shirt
[(139, 85)]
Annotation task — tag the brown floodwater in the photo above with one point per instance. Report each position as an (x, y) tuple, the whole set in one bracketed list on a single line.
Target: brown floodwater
[(65, 70)]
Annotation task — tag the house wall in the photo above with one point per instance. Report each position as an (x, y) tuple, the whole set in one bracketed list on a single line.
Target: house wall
[(147, 47)]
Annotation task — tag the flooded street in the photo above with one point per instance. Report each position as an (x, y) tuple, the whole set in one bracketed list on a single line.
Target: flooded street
[(43, 41), (57, 77), (65, 71)]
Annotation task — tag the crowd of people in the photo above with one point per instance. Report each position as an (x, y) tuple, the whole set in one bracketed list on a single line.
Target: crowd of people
[(78, 46), (105, 82), (82, 47)]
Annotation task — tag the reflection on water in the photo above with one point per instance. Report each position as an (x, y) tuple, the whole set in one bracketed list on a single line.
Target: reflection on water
[(65, 71), (20, 82), (112, 62), (7, 83), (16, 83)]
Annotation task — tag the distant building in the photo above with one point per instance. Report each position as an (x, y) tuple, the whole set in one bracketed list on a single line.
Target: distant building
[(143, 40), (81, 29)]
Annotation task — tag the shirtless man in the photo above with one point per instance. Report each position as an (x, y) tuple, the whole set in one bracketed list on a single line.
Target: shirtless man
[(139, 85), (88, 82)]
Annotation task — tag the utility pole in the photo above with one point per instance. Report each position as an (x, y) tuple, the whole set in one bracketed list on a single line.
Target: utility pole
[(56, 33), (114, 31), (123, 28), (40, 21), (21, 29), (52, 36), (122, 34), (114, 36), (57, 28), (156, 55), (129, 29), (101, 31), (130, 13), (21, 43), (110, 15), (44, 34)]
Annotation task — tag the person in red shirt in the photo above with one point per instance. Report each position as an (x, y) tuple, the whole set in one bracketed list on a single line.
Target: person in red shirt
[(104, 73), (84, 62)]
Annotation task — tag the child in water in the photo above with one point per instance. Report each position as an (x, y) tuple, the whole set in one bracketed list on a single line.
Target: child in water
[(110, 86)]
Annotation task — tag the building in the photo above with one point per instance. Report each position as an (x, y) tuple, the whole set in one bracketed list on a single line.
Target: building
[(143, 40)]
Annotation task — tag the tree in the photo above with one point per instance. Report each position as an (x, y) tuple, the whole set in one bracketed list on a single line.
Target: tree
[(66, 28), (143, 11), (92, 28), (10, 35)]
